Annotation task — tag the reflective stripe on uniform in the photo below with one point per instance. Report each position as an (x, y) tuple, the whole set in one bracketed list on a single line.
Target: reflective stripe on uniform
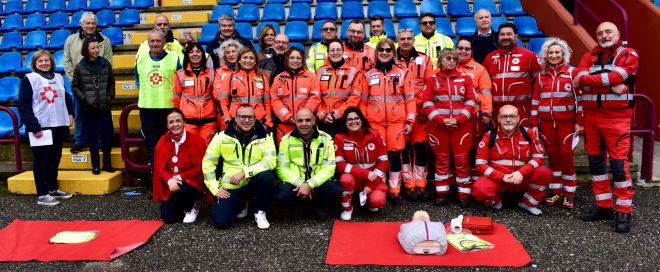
[(624, 202), (554, 186), (557, 108), (623, 184), (570, 189), (443, 188), (605, 196), (604, 177), (489, 171), (607, 97), (555, 94), (531, 199), (510, 98), (509, 162), (537, 187), (480, 161), (464, 190), (511, 75)]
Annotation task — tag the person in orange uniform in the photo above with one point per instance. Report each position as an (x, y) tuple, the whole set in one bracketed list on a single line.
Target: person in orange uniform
[(554, 102), (340, 85), (356, 53), (420, 68), (450, 105), (193, 93), (246, 85), (228, 55), (389, 104), (482, 84), (293, 89)]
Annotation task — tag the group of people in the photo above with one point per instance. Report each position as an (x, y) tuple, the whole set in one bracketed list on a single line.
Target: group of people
[(356, 117)]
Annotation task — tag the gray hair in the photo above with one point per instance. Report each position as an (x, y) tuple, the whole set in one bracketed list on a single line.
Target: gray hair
[(156, 31), (480, 10), (220, 51), (188, 34), (88, 16), (225, 17), (554, 41)]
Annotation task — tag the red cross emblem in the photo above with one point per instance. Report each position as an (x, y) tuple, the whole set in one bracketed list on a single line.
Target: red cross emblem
[(48, 94), (156, 79)]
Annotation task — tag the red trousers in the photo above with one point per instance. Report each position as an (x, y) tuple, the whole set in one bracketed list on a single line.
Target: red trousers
[(206, 131), (489, 192), (444, 143), (375, 199), (523, 111), (557, 140), (607, 132)]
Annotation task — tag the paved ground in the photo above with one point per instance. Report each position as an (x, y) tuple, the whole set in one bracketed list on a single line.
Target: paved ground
[(557, 241)]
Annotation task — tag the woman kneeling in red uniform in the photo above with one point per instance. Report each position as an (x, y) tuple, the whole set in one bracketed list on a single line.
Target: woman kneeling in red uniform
[(361, 161)]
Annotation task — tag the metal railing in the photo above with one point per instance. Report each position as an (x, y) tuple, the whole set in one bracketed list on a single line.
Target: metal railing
[(125, 141), (647, 132), (578, 5), (16, 139)]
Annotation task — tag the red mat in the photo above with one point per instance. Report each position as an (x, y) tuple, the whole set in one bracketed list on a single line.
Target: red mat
[(28, 240), (361, 243)]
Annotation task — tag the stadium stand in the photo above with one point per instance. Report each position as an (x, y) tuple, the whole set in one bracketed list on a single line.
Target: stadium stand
[(405, 9), (9, 62), (432, 6), (303, 12), (487, 5), (128, 17), (326, 11), (55, 6), (458, 8), (33, 21), (218, 11), (9, 89), (25, 68), (57, 20), (275, 13), (527, 26), (33, 40)]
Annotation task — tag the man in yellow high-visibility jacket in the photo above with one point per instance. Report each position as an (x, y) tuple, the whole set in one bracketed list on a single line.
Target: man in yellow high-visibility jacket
[(430, 42)]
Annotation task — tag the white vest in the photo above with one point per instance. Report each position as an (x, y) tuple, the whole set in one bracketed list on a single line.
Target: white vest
[(48, 100)]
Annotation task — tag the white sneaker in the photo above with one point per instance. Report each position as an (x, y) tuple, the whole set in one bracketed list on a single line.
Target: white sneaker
[(262, 221), (346, 215), (191, 216), (242, 214), (372, 209), (497, 205), (533, 210), (47, 200)]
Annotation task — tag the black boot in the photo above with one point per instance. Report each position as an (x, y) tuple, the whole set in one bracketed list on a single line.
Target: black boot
[(598, 213), (464, 203), (412, 194), (395, 199), (440, 200), (623, 221)]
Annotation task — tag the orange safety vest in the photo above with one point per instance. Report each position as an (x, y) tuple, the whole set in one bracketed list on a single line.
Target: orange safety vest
[(481, 82), (288, 94), (245, 87)]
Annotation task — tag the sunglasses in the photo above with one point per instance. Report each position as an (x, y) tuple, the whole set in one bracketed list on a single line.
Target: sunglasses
[(386, 50), (455, 59), (328, 29), (428, 23), (463, 48)]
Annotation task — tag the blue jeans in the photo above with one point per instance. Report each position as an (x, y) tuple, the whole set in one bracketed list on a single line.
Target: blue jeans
[(260, 186), (79, 134)]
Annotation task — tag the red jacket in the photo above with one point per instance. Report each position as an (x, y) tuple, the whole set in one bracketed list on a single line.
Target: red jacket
[(511, 73), (419, 68), (288, 94), (508, 154), (449, 94), (601, 69), (554, 98), (359, 153), (194, 94)]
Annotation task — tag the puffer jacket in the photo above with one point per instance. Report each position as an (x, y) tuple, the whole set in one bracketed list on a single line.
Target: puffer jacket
[(95, 91)]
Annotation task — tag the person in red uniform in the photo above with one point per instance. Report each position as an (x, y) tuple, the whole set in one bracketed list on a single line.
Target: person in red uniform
[(555, 106), (389, 105), (356, 53), (293, 89), (193, 93), (450, 103), (511, 69), (606, 76), (361, 162), (420, 68), (510, 158)]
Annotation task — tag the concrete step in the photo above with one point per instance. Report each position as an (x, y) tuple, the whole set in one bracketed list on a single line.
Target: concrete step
[(82, 160), (74, 182), (126, 88), (133, 119)]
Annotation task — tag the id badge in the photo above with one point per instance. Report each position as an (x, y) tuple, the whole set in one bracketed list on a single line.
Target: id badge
[(188, 82)]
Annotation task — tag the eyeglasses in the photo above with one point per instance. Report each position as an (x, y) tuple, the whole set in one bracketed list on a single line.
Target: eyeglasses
[(508, 117), (162, 24), (451, 58), (386, 50), (427, 23), (463, 48), (356, 119), (245, 117), (328, 29)]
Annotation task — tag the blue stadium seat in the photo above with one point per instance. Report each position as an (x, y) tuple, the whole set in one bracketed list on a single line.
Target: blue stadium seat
[(488, 5), (7, 126), (465, 27), (520, 43), (352, 10), (9, 89), (25, 69), (303, 12), (128, 17), (277, 1), (514, 7), (316, 31), (254, 2), (96, 5), (119, 4), (229, 2), (411, 23), (57, 39), (261, 25), (443, 25), (535, 45), (297, 31), (34, 21), (527, 26), (458, 8), (57, 20), (13, 6), (115, 35), (299, 45), (245, 29), (55, 5), (33, 40), (247, 13), (106, 18), (76, 5), (326, 1), (352, 1), (405, 9), (12, 22), (432, 6), (59, 61), (302, 1), (344, 29), (275, 13), (9, 62), (75, 20), (208, 33), (256, 47), (497, 21), (219, 10), (379, 8), (142, 4), (389, 29), (11, 40), (325, 11), (32, 6)]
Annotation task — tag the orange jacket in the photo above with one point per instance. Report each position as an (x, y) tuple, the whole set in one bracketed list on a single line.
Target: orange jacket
[(362, 59), (388, 97), (420, 67), (340, 89), (246, 87), (288, 94), (449, 94), (481, 82), (194, 94)]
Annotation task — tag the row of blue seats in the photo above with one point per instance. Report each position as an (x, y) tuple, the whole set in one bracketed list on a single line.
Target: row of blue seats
[(13, 62), (60, 19), (6, 126), (355, 10), (39, 39), (31, 6)]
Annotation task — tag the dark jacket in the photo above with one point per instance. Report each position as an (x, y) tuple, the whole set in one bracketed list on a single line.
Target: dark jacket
[(218, 39), (482, 46), (94, 86)]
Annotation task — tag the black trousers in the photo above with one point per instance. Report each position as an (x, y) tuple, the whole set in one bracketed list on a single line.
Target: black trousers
[(323, 197), (172, 210), (154, 125), (47, 160), (98, 125), (260, 186)]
